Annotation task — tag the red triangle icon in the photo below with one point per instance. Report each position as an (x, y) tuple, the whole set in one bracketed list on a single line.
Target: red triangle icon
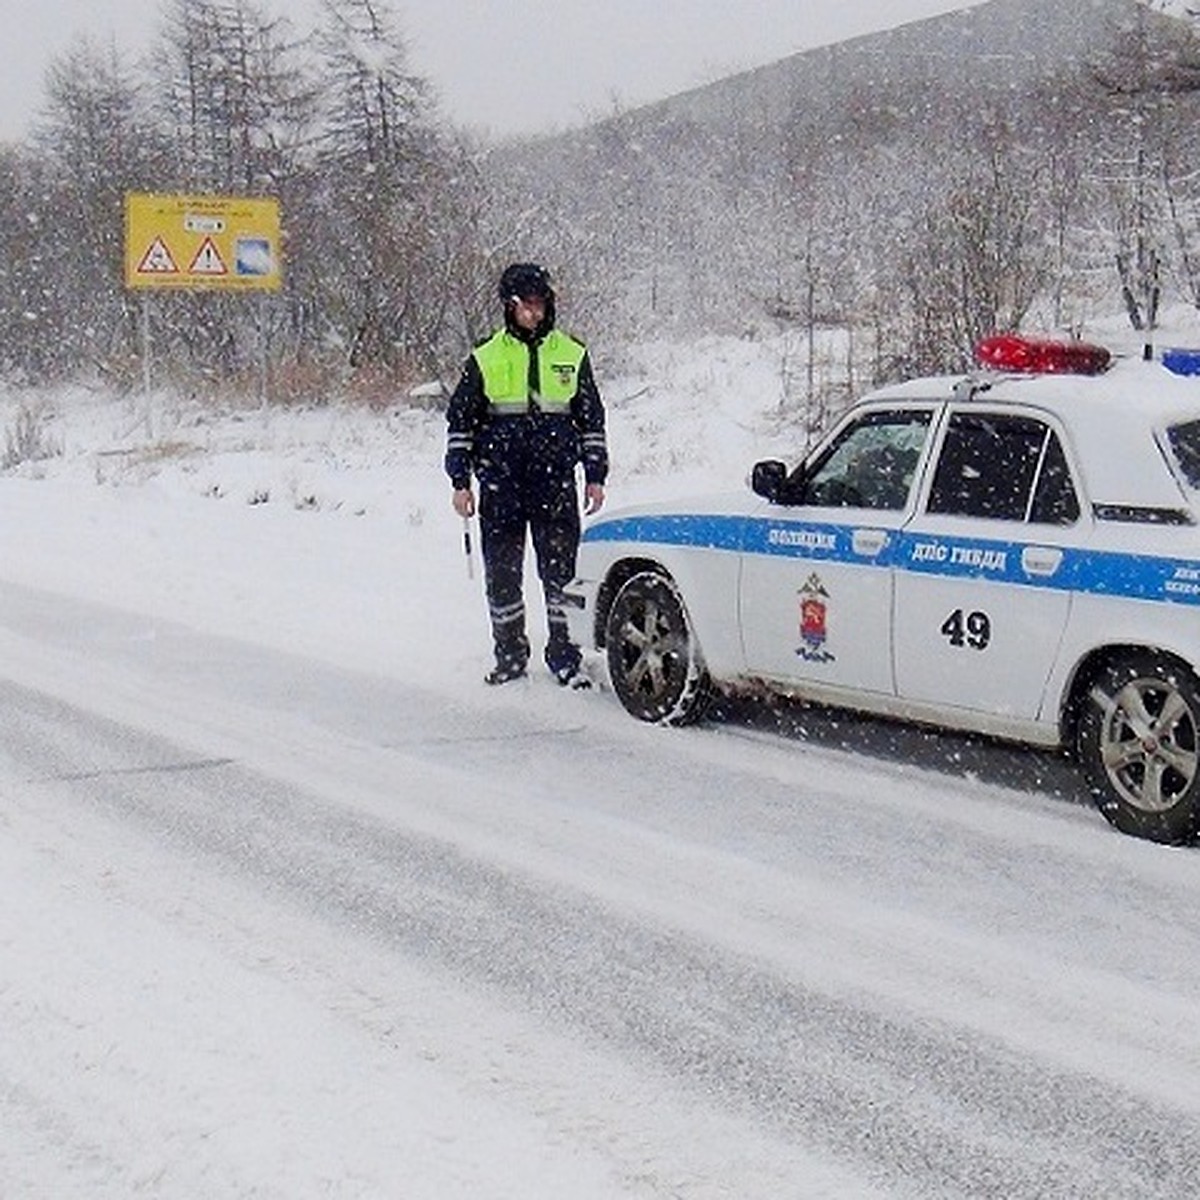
[(208, 260), (157, 260)]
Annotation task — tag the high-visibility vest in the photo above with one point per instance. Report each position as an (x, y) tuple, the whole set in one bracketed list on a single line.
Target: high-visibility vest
[(504, 364)]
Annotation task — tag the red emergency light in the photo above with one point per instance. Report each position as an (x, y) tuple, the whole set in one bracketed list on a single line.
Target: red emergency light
[(1040, 356)]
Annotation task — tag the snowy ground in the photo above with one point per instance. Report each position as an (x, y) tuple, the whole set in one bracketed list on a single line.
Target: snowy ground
[(294, 907)]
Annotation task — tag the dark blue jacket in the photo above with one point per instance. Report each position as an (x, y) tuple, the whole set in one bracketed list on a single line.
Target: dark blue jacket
[(531, 450)]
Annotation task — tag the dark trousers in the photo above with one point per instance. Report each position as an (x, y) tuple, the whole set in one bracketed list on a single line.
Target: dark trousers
[(550, 515)]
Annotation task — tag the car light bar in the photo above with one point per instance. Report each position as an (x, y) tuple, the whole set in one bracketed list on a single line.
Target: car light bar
[(1182, 362), (1040, 356)]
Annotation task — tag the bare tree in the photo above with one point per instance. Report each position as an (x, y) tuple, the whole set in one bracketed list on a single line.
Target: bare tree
[(384, 173), (97, 144), (236, 105), (26, 293), (1152, 64)]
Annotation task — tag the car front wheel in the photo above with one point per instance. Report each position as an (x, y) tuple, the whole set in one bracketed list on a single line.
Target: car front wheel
[(654, 662), (1139, 747)]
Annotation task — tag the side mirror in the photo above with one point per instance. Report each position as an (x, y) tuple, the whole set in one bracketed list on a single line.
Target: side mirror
[(768, 479)]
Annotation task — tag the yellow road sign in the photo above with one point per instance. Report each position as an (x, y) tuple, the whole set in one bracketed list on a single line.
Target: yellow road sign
[(229, 243)]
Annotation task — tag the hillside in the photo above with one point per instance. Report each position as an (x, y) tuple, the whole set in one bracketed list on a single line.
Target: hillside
[(1006, 46), (957, 172)]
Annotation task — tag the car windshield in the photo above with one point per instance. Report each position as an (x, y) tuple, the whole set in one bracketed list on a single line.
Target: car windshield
[(872, 463)]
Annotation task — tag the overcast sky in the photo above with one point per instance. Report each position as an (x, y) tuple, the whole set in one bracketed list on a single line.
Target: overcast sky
[(555, 63)]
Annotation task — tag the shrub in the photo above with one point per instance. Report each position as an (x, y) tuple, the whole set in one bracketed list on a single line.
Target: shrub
[(26, 440)]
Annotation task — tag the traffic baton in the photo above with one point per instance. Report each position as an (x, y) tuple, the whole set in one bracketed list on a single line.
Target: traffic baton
[(467, 547)]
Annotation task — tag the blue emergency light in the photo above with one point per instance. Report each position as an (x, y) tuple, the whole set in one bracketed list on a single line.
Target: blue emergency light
[(1181, 362)]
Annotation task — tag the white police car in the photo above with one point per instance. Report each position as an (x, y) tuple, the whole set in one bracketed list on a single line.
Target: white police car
[(1014, 552)]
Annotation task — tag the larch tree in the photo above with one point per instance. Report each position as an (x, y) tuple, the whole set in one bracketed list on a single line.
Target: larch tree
[(97, 144), (378, 164)]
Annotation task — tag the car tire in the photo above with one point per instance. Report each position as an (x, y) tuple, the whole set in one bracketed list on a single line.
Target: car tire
[(654, 662), (1139, 747)]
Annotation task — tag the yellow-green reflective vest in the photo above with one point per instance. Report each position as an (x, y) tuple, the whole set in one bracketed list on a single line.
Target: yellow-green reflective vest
[(504, 364)]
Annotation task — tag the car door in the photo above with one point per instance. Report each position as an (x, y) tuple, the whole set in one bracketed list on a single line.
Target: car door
[(983, 588), (815, 591)]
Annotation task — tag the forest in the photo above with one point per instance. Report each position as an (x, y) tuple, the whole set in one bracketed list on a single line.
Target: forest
[(888, 221)]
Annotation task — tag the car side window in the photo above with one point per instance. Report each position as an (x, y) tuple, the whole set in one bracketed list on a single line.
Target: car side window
[(871, 464), (1003, 468)]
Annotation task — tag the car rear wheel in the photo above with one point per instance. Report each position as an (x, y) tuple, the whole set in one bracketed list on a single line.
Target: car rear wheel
[(654, 662), (1139, 747)]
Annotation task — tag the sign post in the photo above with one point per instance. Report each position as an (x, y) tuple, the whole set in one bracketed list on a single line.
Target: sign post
[(200, 243)]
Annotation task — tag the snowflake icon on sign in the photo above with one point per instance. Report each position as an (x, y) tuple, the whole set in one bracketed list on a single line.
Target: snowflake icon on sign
[(254, 256)]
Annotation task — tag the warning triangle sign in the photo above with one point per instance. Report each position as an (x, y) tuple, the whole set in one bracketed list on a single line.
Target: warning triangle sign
[(208, 260), (157, 260)]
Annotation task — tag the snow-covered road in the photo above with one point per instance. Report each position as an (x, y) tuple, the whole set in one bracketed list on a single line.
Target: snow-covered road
[(278, 927)]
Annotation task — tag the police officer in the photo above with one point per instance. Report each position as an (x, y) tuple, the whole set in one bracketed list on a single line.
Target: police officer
[(524, 415)]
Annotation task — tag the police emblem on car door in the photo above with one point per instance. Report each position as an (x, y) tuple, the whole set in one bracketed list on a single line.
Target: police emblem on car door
[(827, 545)]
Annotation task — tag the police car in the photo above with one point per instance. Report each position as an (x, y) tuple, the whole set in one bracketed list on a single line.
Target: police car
[(1013, 552)]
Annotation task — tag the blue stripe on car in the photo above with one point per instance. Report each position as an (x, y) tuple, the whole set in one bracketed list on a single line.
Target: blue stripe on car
[(1097, 572)]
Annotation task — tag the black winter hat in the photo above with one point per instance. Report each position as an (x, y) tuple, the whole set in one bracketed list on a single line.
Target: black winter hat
[(525, 280)]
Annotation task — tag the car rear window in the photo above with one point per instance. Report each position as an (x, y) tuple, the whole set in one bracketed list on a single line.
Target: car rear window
[(1003, 467), (1184, 440)]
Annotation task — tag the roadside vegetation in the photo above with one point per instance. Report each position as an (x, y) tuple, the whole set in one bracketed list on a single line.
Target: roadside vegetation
[(883, 230)]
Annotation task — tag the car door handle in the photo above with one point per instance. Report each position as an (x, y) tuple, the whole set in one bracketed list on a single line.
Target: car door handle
[(1041, 560), (868, 542)]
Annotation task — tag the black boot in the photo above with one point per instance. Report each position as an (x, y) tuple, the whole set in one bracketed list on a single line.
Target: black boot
[(504, 672), (512, 657), (563, 658), (573, 678)]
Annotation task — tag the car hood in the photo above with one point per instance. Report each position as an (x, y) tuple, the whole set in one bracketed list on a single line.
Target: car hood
[(653, 522), (727, 503)]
